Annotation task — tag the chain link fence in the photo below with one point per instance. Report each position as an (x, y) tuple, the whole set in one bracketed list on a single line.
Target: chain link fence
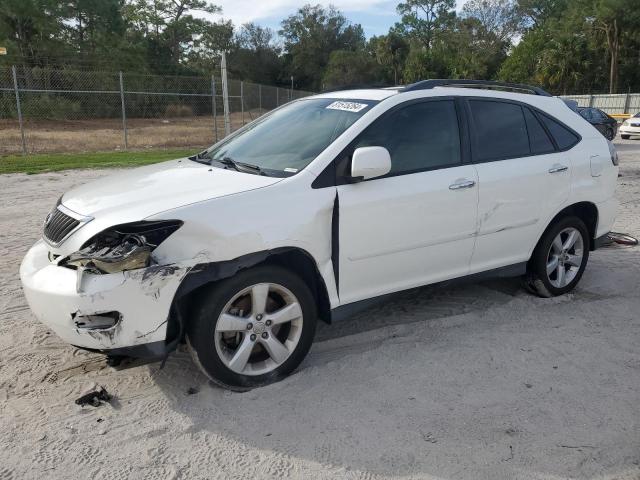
[(48, 111)]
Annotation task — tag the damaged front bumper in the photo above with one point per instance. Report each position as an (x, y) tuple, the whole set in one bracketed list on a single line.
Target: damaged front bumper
[(116, 313)]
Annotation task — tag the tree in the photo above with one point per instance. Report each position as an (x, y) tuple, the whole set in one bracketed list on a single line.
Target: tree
[(615, 19), (255, 55), (390, 51), (348, 68), (309, 38), (499, 18), (32, 30), (535, 13), (425, 19)]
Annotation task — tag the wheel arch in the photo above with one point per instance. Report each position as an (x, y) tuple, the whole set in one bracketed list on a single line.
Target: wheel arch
[(202, 276), (585, 211)]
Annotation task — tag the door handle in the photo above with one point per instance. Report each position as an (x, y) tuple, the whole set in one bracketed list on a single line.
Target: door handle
[(558, 168), (462, 184)]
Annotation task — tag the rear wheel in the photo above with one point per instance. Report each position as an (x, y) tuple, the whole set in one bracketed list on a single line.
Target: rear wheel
[(254, 328), (559, 259)]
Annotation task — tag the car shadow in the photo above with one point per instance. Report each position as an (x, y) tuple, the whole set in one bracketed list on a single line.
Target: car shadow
[(441, 383)]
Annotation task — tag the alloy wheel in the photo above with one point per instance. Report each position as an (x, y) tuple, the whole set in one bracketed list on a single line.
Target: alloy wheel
[(565, 257), (258, 329)]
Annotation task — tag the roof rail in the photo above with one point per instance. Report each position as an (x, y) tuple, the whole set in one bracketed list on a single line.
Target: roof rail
[(489, 84)]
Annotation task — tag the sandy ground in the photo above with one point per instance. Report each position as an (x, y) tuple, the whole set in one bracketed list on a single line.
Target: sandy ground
[(475, 382)]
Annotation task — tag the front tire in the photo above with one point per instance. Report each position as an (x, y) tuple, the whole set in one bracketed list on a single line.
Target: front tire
[(559, 259), (253, 329)]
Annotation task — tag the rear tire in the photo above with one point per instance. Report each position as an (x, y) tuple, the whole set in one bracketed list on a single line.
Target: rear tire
[(559, 259), (252, 329)]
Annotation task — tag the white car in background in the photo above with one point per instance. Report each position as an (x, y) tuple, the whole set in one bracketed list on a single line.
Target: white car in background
[(630, 126), (317, 209)]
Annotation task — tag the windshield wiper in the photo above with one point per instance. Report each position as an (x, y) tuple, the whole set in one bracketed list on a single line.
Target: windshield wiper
[(241, 166)]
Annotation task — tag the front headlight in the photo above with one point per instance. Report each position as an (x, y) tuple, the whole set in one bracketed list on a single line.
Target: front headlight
[(123, 247)]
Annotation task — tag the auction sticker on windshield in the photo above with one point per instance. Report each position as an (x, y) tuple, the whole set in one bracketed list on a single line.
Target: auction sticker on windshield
[(347, 106)]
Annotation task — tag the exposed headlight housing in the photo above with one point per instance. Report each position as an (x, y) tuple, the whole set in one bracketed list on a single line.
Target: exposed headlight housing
[(123, 247)]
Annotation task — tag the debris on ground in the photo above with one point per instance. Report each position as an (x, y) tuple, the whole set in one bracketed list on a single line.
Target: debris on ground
[(621, 239), (94, 398)]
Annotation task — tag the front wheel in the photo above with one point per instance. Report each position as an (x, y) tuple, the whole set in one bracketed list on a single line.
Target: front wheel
[(254, 328), (559, 259)]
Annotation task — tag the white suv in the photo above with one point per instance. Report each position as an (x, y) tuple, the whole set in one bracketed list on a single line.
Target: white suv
[(316, 209)]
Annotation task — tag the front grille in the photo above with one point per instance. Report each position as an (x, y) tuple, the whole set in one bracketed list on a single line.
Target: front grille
[(635, 124), (58, 225)]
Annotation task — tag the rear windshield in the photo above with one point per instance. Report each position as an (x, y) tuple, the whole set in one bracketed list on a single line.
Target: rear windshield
[(285, 141)]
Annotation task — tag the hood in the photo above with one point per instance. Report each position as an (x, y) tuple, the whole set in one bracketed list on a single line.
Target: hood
[(149, 190)]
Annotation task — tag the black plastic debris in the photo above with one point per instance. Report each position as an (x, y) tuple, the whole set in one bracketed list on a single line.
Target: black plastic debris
[(94, 398), (621, 238)]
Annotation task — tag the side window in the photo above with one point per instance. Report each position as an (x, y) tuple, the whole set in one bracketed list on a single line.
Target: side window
[(539, 141), (564, 137), (420, 136), (500, 130)]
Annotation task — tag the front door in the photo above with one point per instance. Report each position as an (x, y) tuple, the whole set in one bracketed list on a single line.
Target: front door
[(415, 225)]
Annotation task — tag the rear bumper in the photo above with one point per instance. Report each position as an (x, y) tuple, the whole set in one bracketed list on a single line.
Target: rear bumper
[(67, 302), (607, 211)]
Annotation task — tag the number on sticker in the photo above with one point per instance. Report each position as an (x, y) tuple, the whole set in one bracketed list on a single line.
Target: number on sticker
[(347, 106)]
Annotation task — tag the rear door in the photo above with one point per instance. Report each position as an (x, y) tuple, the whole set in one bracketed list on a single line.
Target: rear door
[(415, 225), (522, 179)]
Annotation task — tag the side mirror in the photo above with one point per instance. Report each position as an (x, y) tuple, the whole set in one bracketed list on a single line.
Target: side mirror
[(370, 162)]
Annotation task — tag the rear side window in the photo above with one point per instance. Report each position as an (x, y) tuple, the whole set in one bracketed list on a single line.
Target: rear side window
[(564, 137), (420, 136), (500, 130), (539, 141)]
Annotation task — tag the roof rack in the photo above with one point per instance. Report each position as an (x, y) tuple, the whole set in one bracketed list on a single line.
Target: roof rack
[(489, 84)]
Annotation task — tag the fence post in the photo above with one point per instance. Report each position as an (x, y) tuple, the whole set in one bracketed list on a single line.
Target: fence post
[(591, 99), (627, 103), (225, 95), (277, 97), (213, 107), (242, 102), (260, 99), (19, 109), (124, 113)]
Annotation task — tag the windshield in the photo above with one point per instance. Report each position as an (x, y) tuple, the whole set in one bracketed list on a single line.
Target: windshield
[(285, 141), (637, 115)]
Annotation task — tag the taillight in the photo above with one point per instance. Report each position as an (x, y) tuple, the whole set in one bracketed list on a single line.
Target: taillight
[(614, 153)]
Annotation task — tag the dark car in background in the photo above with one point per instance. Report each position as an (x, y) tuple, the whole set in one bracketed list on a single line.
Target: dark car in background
[(605, 124)]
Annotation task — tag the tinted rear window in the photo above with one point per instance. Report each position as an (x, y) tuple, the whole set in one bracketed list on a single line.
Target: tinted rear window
[(538, 139), (500, 130), (564, 137)]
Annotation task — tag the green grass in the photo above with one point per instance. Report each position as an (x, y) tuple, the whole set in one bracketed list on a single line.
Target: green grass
[(59, 161)]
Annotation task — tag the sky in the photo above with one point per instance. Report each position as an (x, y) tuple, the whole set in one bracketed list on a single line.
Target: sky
[(375, 16)]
